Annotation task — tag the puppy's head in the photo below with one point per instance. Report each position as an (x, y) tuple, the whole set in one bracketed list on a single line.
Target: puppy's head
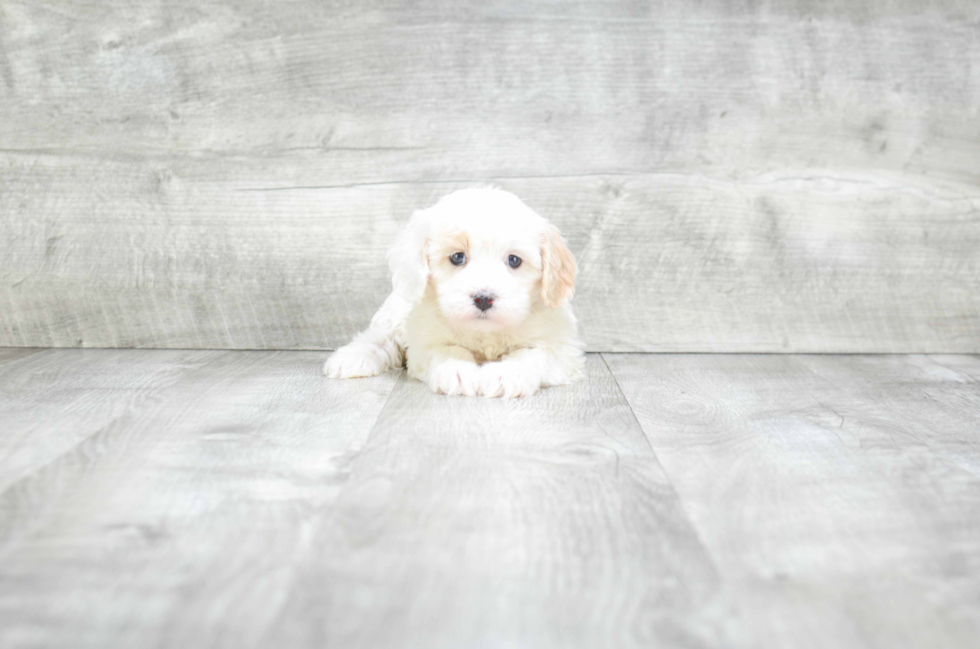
[(489, 258)]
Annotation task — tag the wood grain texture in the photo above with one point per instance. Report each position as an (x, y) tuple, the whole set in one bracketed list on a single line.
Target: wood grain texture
[(542, 522), (12, 354), (54, 402), (177, 477), (797, 176), (243, 508), (838, 496), (240, 499)]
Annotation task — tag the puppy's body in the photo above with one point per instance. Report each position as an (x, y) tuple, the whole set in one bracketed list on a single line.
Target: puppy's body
[(479, 306)]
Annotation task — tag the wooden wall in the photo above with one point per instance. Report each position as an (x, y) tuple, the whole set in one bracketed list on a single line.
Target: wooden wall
[(732, 175)]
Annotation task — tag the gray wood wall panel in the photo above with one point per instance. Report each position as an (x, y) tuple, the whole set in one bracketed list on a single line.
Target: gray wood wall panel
[(788, 176), (790, 468)]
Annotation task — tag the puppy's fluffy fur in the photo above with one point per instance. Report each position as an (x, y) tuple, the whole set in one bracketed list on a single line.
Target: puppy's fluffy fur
[(433, 320)]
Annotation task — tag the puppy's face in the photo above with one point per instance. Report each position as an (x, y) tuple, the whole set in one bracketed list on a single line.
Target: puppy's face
[(489, 258), (484, 277)]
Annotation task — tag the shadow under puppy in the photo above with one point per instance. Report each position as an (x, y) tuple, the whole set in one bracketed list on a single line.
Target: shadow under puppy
[(480, 302)]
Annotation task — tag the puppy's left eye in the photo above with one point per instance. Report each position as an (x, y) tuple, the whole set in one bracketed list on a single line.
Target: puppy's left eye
[(458, 258), (513, 261)]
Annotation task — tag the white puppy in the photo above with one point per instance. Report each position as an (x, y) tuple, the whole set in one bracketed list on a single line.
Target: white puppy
[(481, 286)]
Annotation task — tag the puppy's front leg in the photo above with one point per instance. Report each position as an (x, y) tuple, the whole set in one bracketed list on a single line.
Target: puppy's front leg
[(376, 349), (523, 372), (447, 369)]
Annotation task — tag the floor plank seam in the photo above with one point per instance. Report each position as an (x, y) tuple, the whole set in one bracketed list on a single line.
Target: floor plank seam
[(670, 482)]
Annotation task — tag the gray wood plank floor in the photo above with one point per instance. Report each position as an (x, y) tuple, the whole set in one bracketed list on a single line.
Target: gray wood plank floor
[(239, 499)]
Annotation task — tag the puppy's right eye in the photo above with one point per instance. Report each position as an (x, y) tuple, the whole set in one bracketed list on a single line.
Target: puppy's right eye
[(458, 258)]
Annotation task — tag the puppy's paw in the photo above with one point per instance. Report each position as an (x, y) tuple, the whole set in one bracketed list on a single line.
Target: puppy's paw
[(454, 377), (507, 379), (356, 360)]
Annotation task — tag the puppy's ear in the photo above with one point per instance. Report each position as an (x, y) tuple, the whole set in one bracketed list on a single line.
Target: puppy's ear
[(407, 258), (558, 269)]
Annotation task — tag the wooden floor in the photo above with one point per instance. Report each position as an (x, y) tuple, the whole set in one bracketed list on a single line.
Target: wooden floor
[(240, 499)]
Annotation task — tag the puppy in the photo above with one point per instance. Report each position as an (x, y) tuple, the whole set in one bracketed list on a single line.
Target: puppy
[(480, 302)]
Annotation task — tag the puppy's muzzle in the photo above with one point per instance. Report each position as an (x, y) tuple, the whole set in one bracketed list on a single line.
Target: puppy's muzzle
[(483, 300)]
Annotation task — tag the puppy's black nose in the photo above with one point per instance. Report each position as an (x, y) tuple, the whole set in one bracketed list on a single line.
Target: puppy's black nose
[(483, 300)]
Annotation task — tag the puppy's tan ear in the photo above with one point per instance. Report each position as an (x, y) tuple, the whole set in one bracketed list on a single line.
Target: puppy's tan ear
[(407, 258), (558, 269)]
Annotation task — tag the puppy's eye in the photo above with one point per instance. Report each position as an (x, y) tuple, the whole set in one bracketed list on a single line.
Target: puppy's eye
[(458, 258), (513, 261)]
